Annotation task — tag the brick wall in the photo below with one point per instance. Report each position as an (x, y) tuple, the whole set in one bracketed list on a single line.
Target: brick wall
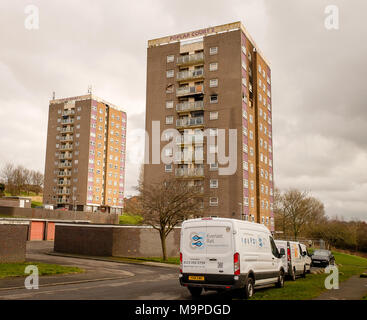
[(13, 238), (118, 241), (103, 218)]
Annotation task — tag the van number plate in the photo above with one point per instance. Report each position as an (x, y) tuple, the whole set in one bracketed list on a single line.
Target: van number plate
[(196, 278)]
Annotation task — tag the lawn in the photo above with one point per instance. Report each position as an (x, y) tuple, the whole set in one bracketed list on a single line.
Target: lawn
[(128, 219), (313, 285), (36, 204), (44, 269)]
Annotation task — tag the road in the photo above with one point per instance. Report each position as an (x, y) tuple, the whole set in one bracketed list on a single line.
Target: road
[(101, 280)]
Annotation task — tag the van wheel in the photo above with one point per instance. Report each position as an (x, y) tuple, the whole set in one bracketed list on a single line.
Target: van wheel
[(248, 290), (304, 272), (280, 283), (195, 291), (293, 275)]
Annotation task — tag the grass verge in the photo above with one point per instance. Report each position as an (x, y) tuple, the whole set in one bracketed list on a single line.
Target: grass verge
[(152, 259), (44, 269), (313, 285)]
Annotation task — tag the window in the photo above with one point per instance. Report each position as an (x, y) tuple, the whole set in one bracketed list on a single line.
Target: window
[(213, 115), (244, 114), (251, 151), (170, 88), (260, 69), (252, 202), (245, 148), (213, 202), (245, 183), (252, 185), (213, 66), (170, 58), (244, 131), (251, 135), (169, 104), (243, 48), (213, 132), (251, 119), (214, 183), (245, 165), (244, 65), (252, 168), (169, 119), (214, 98), (213, 83), (213, 166), (245, 201), (168, 152), (244, 82), (168, 168), (170, 73), (213, 50)]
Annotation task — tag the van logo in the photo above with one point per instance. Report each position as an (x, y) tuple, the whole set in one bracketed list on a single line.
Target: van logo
[(197, 240), (260, 242)]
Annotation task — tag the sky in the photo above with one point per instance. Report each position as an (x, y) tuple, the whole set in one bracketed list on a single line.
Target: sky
[(318, 80)]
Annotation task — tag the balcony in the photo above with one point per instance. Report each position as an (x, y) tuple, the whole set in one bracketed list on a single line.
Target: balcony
[(66, 147), (62, 201), (189, 106), (63, 191), (189, 172), (189, 157), (67, 121), (190, 139), (67, 138), (187, 90), (65, 165), (67, 130), (66, 156), (70, 112), (190, 122), (63, 183), (190, 59), (64, 173), (190, 75)]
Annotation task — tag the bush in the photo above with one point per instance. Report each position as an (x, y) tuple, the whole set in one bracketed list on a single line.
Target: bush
[(128, 219)]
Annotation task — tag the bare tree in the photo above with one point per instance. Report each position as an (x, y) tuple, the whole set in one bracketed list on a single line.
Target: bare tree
[(166, 204), (7, 176), (37, 181), (297, 210)]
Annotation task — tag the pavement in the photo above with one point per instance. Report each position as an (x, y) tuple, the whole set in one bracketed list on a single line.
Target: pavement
[(352, 289)]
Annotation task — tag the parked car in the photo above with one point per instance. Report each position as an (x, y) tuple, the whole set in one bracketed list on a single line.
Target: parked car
[(294, 263), (322, 258), (306, 257), (219, 253)]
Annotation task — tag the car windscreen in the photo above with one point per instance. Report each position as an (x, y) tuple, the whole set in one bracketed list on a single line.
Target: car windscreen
[(321, 253)]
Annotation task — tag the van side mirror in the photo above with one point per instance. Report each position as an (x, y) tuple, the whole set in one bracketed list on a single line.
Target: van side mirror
[(281, 252)]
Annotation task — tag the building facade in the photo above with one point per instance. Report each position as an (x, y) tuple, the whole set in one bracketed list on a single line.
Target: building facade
[(200, 83), (85, 156)]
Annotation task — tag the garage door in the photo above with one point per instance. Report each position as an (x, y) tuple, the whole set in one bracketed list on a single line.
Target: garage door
[(51, 231), (37, 230)]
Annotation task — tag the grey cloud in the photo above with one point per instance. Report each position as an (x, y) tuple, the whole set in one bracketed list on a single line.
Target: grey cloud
[(318, 80)]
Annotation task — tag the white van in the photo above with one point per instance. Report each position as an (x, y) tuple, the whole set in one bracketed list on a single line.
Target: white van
[(306, 257), (294, 262), (220, 253)]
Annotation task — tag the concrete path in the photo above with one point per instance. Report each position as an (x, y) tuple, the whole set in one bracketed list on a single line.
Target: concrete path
[(352, 289)]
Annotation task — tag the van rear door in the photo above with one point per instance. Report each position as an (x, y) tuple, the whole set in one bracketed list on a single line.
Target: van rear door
[(219, 247), (193, 248)]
